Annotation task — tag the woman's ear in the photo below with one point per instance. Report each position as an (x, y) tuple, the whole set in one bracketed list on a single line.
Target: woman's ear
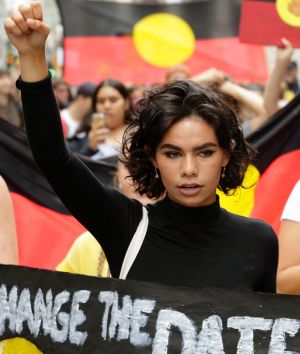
[(232, 144), (227, 154), (226, 158), (152, 159)]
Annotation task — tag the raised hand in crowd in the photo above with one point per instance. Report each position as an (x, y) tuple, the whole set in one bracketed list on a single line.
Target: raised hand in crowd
[(250, 102), (28, 33), (210, 77), (262, 108), (274, 89)]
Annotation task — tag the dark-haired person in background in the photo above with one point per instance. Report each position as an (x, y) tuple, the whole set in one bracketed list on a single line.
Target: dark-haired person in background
[(79, 109), (182, 143), (10, 106), (101, 136), (62, 92)]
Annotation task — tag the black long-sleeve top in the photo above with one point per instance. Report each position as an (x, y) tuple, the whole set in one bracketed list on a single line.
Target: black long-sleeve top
[(205, 246)]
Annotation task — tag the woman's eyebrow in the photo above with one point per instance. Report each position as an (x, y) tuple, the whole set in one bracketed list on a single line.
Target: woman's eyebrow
[(200, 147), (205, 146)]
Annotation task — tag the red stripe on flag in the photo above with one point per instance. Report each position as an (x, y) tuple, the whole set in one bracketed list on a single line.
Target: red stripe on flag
[(244, 62), (261, 24), (96, 58), (44, 236), (274, 187)]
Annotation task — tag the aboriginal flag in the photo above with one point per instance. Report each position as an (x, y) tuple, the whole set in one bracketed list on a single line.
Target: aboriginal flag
[(45, 228), (269, 181), (278, 161), (267, 21), (136, 42)]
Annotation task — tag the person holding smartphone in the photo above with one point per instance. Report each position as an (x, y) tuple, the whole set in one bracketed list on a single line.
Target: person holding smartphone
[(101, 139), (110, 104)]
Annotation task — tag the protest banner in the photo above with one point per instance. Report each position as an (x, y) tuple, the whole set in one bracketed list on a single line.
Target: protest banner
[(56, 312)]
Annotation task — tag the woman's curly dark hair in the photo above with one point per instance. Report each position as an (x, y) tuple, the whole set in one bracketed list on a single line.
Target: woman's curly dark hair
[(164, 106)]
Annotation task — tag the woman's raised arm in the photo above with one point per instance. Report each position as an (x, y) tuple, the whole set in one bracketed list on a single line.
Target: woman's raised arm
[(28, 33), (107, 214)]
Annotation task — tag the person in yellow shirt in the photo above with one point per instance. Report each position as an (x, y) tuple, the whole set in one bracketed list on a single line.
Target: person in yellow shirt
[(85, 257)]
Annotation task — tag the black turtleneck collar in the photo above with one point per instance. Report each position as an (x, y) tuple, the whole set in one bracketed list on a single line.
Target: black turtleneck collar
[(206, 214)]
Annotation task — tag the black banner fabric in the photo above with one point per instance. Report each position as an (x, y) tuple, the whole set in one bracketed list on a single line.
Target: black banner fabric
[(23, 176), (66, 313)]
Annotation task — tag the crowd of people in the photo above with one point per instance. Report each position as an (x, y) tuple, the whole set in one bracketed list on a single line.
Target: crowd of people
[(174, 145)]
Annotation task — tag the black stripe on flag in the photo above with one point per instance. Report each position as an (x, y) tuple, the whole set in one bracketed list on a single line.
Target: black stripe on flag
[(208, 19)]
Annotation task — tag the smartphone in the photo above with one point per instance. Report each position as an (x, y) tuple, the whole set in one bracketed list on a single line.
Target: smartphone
[(98, 117)]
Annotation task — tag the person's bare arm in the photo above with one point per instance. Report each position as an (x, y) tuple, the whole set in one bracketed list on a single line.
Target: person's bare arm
[(251, 100), (209, 77), (273, 88), (288, 276), (8, 236)]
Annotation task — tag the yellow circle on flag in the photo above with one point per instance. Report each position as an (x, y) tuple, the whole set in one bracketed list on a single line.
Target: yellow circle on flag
[(163, 39), (242, 200), (18, 346), (289, 11)]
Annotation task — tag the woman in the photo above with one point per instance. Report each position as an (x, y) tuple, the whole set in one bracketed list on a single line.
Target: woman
[(101, 139), (111, 101), (289, 256), (183, 142)]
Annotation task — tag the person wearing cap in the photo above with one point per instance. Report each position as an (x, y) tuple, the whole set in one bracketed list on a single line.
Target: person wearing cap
[(80, 107)]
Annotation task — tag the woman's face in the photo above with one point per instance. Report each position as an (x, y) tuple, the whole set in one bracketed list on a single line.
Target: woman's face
[(190, 161), (110, 102)]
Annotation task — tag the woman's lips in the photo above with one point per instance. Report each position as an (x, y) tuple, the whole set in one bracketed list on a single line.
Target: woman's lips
[(190, 189)]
